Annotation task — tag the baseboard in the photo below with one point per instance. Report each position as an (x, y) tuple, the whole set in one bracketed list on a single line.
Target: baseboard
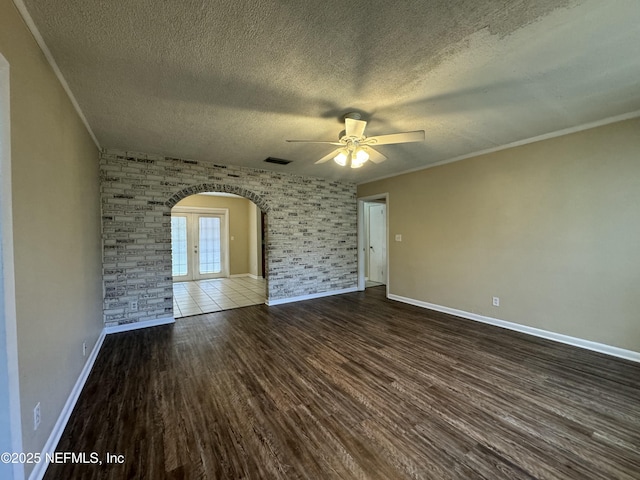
[(52, 442), (250, 275), (311, 296), (137, 325), (40, 469), (537, 332)]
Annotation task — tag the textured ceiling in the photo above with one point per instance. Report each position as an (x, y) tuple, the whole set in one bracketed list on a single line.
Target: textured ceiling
[(228, 81)]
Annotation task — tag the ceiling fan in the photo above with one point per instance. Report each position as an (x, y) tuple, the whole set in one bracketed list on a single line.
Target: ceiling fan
[(354, 149)]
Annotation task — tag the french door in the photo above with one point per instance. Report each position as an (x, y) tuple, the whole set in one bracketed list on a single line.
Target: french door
[(199, 245)]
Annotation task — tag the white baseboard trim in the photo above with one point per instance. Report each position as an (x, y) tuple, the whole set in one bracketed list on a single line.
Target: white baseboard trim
[(52, 442), (251, 275), (280, 301), (537, 332), (137, 325)]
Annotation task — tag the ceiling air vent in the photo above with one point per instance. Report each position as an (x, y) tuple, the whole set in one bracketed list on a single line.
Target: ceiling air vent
[(278, 161)]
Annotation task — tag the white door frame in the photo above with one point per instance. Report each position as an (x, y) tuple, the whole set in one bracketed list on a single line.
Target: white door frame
[(362, 236), (10, 438), (224, 237)]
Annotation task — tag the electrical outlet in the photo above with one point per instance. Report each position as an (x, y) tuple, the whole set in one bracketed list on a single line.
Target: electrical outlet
[(133, 305), (496, 301), (84, 349), (36, 416)]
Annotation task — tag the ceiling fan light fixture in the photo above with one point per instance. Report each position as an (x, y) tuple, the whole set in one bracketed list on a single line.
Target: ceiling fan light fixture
[(362, 155), (359, 157), (355, 149), (341, 157)]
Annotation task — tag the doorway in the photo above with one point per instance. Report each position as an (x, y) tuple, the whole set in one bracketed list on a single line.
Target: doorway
[(199, 244), (217, 254), (372, 242), (10, 416)]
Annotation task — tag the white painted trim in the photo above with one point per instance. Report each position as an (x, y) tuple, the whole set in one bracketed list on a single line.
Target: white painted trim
[(47, 53), (251, 275), (280, 301), (539, 138), (52, 442), (138, 325), (537, 332), (7, 270), (361, 281)]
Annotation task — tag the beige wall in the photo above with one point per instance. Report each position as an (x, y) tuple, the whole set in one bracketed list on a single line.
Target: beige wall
[(239, 228), (255, 232), (56, 229), (552, 228)]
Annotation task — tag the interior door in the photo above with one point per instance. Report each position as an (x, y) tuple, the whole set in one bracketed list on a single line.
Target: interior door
[(198, 246), (378, 243)]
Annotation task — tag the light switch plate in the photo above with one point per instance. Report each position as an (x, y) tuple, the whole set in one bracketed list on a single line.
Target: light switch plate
[(398, 237)]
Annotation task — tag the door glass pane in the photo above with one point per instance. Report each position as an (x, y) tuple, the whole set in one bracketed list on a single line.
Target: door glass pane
[(179, 245), (209, 245)]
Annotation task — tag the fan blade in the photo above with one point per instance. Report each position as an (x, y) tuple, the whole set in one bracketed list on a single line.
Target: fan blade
[(314, 141), (329, 156), (354, 128), (374, 155), (406, 137)]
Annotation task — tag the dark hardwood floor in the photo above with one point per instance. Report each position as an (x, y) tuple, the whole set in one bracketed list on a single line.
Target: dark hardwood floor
[(352, 386)]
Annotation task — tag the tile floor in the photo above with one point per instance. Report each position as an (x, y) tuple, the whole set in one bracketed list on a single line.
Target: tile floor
[(206, 296)]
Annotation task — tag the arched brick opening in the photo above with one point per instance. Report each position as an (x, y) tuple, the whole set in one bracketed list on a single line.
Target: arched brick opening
[(311, 230), (260, 202), (218, 187)]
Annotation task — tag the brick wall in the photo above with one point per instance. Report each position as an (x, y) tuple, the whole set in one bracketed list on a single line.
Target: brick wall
[(311, 229)]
